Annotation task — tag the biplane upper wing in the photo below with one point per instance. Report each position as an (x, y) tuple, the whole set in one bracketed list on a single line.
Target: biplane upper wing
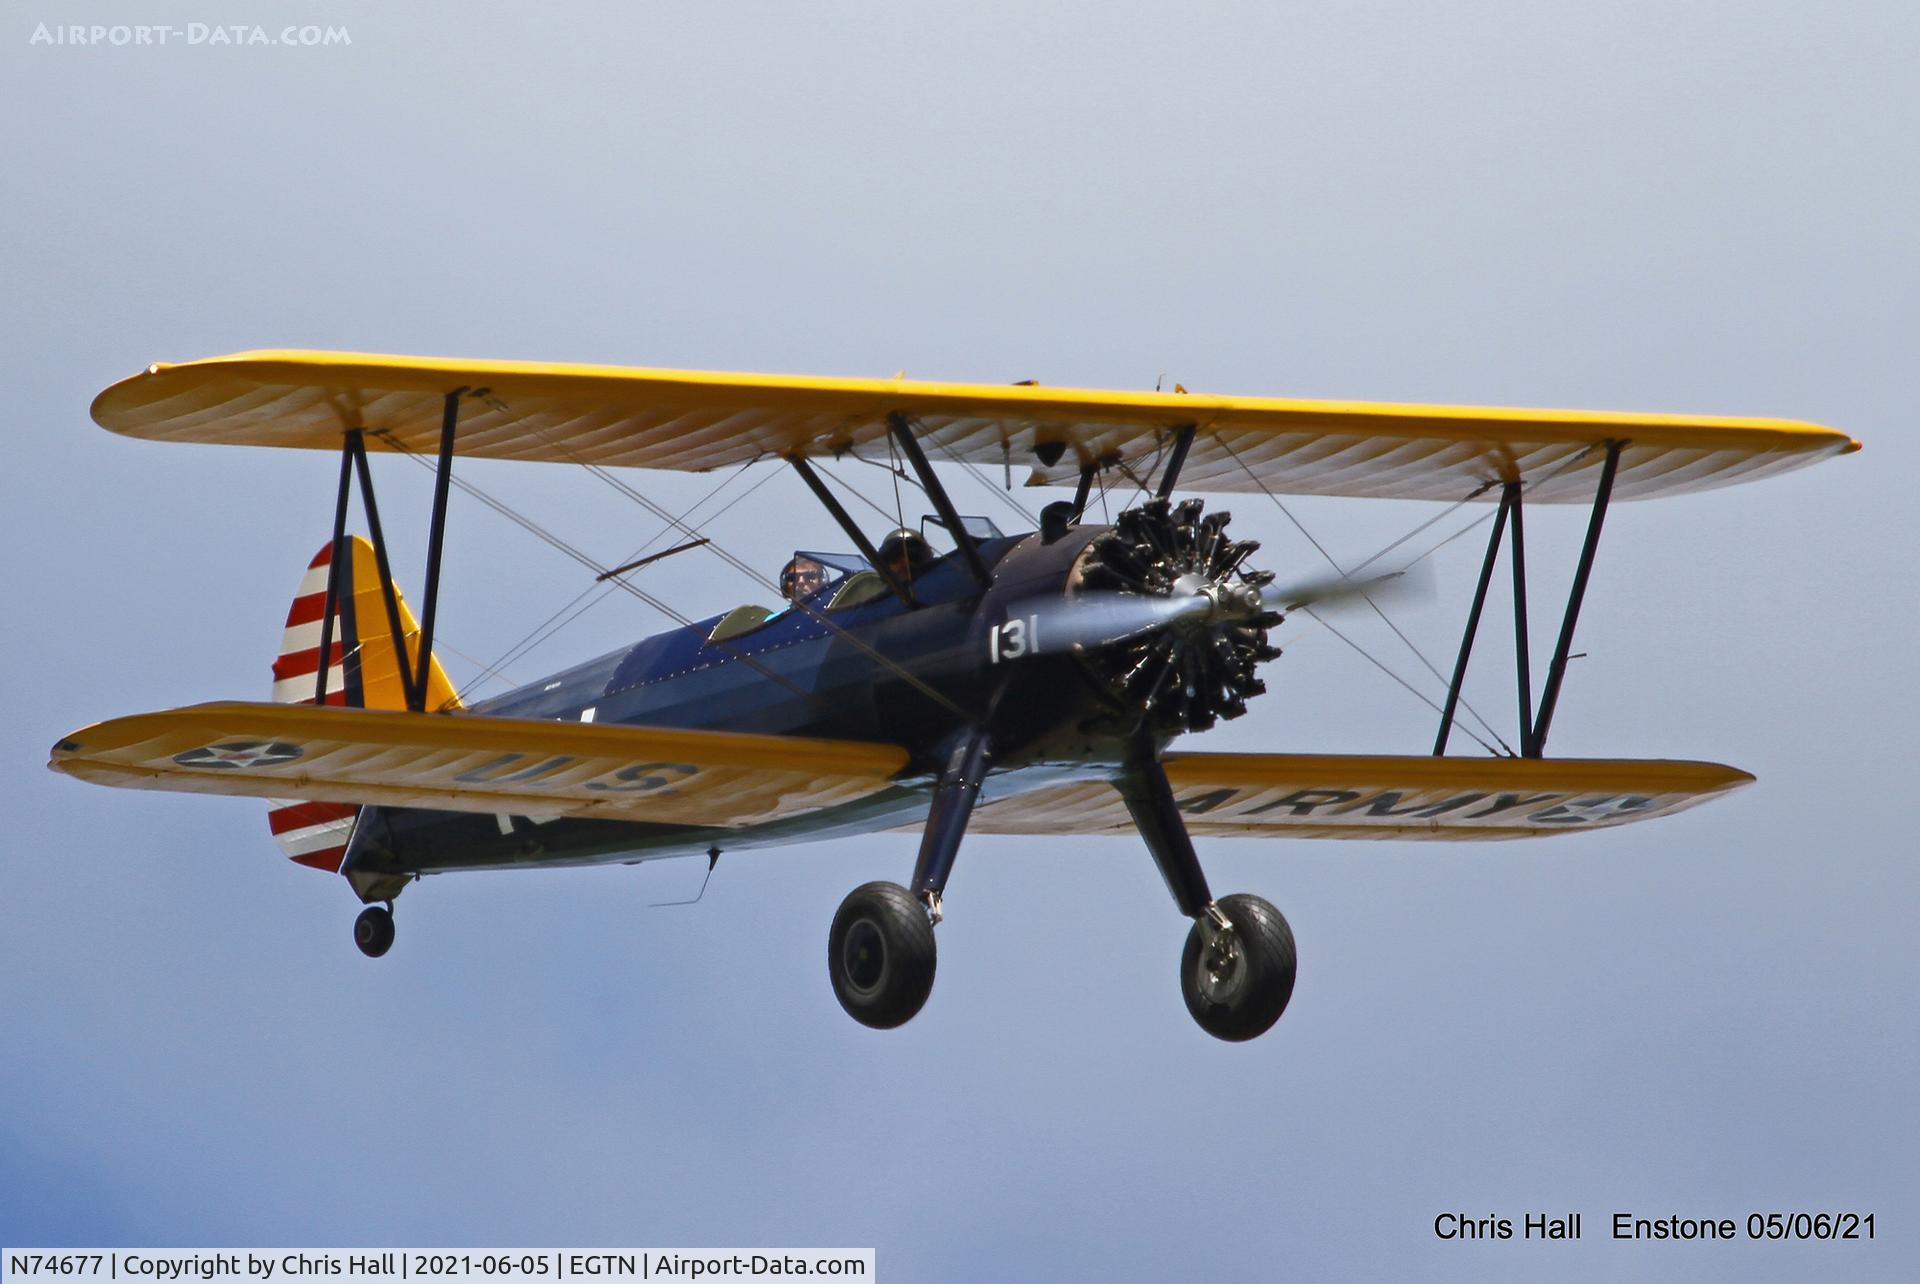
[(1345, 796), (694, 420), (477, 764)]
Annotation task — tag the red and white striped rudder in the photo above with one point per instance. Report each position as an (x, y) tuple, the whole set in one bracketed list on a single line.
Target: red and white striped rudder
[(363, 672)]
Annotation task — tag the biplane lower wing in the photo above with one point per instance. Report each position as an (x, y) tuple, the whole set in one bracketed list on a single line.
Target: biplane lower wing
[(477, 764), (1343, 796)]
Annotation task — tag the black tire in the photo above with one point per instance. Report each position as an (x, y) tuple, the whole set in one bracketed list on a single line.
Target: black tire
[(373, 931), (1245, 1000), (880, 955)]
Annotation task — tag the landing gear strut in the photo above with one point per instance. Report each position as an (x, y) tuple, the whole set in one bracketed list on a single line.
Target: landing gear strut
[(1237, 970), (880, 952), (373, 930)]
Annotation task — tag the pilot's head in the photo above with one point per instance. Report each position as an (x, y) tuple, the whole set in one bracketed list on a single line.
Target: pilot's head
[(801, 579), (905, 552)]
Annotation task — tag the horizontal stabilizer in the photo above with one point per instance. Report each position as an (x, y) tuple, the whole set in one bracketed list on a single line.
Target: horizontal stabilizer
[(460, 762), (697, 420), (1281, 795)]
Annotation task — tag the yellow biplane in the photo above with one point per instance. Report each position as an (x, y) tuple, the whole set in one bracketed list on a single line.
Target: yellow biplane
[(1025, 683)]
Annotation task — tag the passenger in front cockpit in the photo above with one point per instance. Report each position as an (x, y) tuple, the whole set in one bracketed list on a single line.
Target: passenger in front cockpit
[(905, 553)]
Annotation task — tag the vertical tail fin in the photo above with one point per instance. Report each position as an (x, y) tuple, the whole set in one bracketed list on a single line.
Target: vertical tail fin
[(364, 671)]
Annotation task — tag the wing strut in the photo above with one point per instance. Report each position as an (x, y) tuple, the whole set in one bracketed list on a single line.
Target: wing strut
[(942, 503), (436, 537), (1558, 669), (333, 579), (1522, 651), (415, 669), (1473, 622), (1533, 725), (357, 447)]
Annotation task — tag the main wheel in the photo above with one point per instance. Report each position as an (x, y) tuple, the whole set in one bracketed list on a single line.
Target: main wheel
[(373, 931), (1241, 996), (880, 955)]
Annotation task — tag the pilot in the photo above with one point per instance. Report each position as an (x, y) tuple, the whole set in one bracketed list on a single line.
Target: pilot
[(801, 578), (905, 553)]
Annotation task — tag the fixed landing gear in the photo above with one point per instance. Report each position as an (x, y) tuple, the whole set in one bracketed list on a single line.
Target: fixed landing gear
[(880, 954), (1237, 970), (373, 930), (1237, 975)]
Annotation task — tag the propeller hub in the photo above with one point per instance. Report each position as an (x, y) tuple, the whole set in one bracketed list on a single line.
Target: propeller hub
[(1234, 601)]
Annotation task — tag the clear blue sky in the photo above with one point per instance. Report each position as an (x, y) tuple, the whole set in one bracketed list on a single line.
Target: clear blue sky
[(1629, 206)]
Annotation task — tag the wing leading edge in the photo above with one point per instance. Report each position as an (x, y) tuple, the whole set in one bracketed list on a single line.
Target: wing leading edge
[(1342, 796), (697, 420), (477, 764)]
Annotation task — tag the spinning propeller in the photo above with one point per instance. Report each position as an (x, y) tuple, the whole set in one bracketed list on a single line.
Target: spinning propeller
[(1095, 619), (1162, 612)]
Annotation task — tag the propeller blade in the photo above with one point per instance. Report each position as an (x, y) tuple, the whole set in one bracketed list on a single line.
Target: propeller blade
[(1339, 590), (1101, 619), (1097, 619)]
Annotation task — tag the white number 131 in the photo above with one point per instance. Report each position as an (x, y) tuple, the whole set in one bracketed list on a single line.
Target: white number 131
[(1013, 639)]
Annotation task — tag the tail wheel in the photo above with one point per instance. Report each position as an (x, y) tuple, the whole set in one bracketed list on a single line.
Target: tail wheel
[(1238, 993), (880, 955), (373, 931)]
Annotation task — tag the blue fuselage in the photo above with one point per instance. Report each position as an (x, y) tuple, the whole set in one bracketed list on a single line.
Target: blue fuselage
[(880, 671)]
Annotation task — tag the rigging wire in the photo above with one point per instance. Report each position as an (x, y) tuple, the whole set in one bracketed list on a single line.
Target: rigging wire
[(893, 467), (1481, 520), (1343, 573), (542, 533), (899, 474), (1418, 694), (747, 569), (598, 592), (854, 491), (1484, 518), (984, 480)]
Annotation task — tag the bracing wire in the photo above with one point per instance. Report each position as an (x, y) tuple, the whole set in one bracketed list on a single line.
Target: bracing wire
[(747, 569), (548, 537), (1417, 692), (598, 592), (974, 471), (893, 467), (1475, 523), (854, 491), (1343, 572)]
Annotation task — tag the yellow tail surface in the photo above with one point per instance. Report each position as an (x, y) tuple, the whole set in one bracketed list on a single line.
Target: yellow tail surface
[(363, 672), (363, 662)]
